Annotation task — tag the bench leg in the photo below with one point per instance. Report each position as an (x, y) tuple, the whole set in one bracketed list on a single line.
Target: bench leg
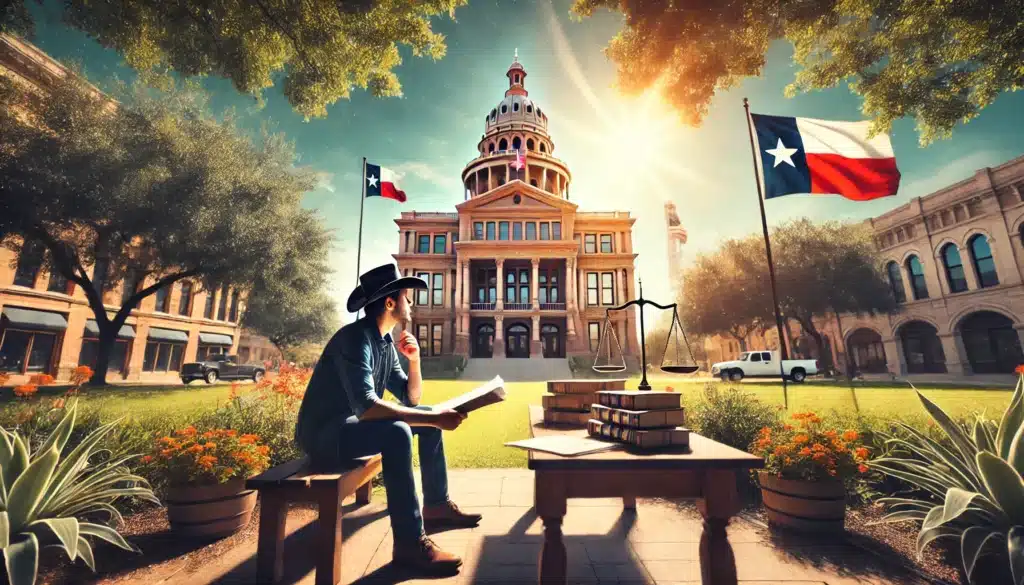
[(364, 493), (270, 548), (328, 553)]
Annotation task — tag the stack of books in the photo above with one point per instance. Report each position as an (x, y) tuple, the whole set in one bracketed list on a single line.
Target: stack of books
[(568, 401), (642, 419)]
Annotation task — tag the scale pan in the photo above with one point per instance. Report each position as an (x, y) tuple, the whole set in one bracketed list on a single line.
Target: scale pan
[(609, 368), (679, 369)]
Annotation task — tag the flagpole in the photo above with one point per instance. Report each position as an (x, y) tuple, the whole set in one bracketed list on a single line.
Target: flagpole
[(362, 201), (783, 354)]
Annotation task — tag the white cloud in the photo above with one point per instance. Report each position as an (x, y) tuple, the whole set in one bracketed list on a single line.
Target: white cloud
[(429, 173), (325, 181)]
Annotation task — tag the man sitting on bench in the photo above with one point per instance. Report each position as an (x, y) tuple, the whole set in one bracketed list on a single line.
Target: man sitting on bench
[(343, 416)]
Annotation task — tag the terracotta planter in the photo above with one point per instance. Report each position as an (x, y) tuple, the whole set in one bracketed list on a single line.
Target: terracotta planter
[(805, 506), (210, 511)]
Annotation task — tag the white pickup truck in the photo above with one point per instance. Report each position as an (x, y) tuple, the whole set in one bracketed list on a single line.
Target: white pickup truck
[(764, 364)]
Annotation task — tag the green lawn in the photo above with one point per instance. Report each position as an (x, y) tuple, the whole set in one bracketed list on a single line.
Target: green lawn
[(479, 442)]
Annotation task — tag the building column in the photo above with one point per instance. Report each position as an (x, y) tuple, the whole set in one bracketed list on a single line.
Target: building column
[(500, 288), (534, 294), (527, 174), (535, 345), (956, 355), (895, 360), (458, 284), (499, 337), (467, 285), (490, 178), (544, 179), (570, 297)]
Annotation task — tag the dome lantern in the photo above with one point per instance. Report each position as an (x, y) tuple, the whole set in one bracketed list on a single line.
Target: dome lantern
[(516, 78)]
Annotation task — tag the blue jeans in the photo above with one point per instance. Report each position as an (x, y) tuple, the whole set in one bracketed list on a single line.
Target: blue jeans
[(393, 440)]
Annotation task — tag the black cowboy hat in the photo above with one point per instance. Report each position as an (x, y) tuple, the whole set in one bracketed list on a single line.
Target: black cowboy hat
[(380, 282)]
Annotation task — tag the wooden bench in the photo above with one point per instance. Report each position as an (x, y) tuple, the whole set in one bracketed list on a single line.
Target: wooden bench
[(296, 482)]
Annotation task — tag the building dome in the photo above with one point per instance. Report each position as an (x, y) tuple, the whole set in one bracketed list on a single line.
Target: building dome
[(517, 105)]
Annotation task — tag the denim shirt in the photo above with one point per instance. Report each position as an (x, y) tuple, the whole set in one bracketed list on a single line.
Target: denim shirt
[(354, 369)]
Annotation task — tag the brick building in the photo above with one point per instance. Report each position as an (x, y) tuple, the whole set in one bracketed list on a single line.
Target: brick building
[(955, 263), (517, 270), (46, 324)]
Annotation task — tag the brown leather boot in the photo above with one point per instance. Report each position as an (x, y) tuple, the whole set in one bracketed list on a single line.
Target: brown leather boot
[(423, 556), (449, 515)]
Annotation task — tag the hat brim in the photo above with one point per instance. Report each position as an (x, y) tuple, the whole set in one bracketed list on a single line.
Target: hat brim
[(358, 299)]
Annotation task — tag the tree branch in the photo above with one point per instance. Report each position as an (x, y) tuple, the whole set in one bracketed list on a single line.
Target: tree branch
[(135, 299)]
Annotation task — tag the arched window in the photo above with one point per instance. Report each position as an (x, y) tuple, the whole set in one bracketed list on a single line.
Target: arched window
[(30, 261), (538, 111), (529, 108), (503, 144), (515, 106), (517, 78), (984, 264), (493, 114), (529, 144), (896, 282), (954, 269), (490, 147), (517, 143), (504, 108), (917, 284), (543, 148)]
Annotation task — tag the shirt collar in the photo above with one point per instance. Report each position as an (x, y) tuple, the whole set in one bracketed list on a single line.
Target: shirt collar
[(375, 335)]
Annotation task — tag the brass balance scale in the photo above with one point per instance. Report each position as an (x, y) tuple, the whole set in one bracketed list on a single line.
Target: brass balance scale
[(604, 363)]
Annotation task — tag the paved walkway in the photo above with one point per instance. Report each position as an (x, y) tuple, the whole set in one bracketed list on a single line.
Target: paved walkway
[(656, 544)]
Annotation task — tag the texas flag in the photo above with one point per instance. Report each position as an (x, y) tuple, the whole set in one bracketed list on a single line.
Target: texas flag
[(382, 182), (804, 155)]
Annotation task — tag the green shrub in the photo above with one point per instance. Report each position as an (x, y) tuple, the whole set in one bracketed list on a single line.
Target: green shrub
[(48, 495), (968, 487), (731, 416)]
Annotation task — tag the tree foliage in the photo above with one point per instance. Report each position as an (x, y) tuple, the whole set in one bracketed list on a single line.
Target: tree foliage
[(938, 62), (822, 269), (154, 188), (322, 48), (289, 303), (727, 292)]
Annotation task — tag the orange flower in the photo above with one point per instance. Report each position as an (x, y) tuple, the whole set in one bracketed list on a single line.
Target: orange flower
[(850, 435), (146, 459), (80, 375), (230, 471), (41, 380), (1019, 369), (25, 390), (210, 445), (801, 439), (788, 427), (805, 451), (248, 439), (59, 403), (861, 453), (207, 461), (195, 449), (862, 468), (4, 376)]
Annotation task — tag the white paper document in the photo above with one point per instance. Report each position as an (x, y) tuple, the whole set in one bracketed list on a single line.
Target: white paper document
[(564, 445)]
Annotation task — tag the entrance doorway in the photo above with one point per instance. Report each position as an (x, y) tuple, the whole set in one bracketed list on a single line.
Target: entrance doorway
[(922, 349), (991, 343), (550, 341), (483, 341), (867, 351), (517, 341)]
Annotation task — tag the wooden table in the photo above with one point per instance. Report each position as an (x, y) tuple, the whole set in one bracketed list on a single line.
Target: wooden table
[(705, 471)]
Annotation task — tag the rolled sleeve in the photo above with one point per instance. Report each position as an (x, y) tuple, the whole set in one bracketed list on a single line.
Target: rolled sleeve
[(398, 380), (353, 364)]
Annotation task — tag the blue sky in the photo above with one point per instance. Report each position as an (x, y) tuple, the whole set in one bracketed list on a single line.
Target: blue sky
[(623, 154)]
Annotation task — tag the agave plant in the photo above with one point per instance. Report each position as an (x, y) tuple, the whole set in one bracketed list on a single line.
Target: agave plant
[(971, 490), (43, 496)]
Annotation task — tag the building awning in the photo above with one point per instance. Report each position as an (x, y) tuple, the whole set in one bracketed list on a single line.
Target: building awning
[(34, 320), (157, 334), (215, 339), (93, 330)]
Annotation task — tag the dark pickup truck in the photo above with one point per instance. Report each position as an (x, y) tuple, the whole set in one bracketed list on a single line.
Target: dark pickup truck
[(221, 367)]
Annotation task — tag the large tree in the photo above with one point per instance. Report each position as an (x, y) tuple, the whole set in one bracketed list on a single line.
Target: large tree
[(724, 293), (827, 269), (321, 48), (289, 302), (154, 188), (938, 62)]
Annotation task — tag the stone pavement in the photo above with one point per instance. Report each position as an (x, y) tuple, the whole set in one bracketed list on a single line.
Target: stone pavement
[(656, 544)]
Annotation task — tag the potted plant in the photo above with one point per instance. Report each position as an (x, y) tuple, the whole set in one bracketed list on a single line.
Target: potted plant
[(806, 467), (204, 472)]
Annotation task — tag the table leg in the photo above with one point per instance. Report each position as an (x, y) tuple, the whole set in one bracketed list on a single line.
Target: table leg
[(550, 501), (720, 503), (629, 502)]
